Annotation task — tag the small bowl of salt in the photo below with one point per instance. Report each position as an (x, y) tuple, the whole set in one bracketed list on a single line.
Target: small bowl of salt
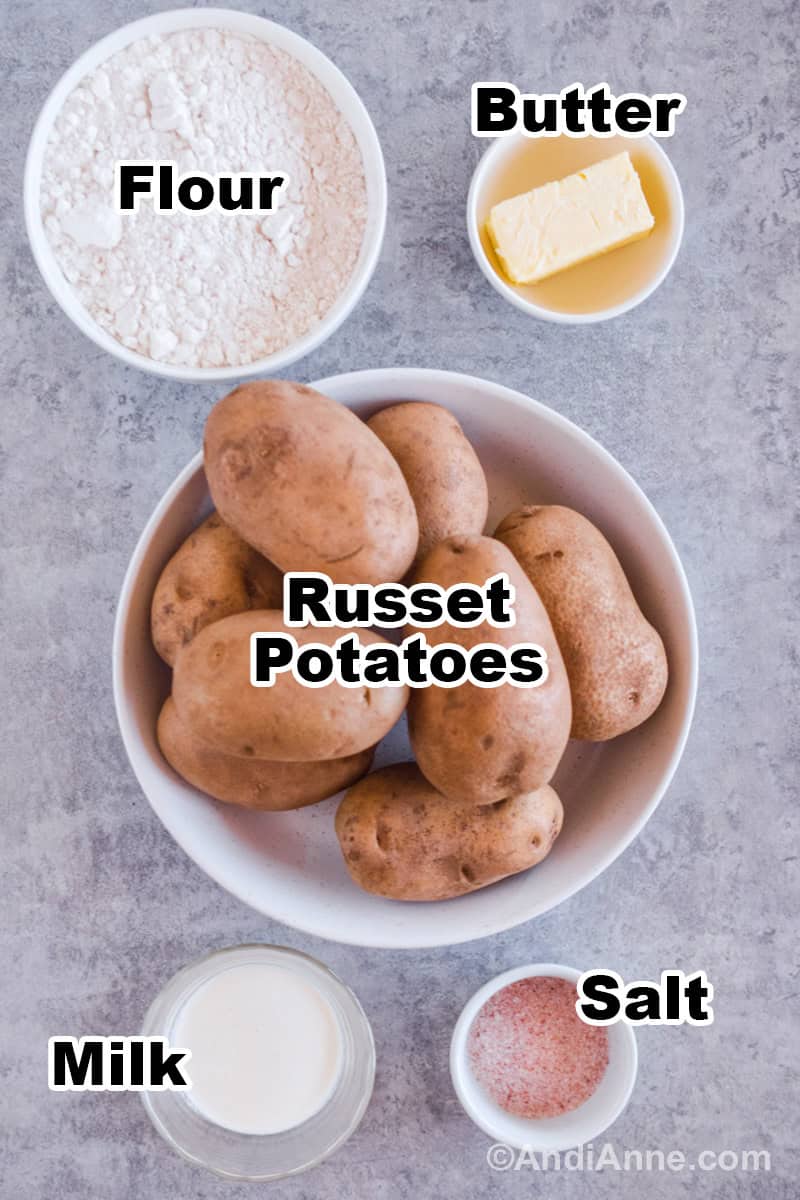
[(530, 1073), (199, 291)]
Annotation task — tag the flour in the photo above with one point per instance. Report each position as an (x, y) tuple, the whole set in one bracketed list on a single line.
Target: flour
[(205, 288)]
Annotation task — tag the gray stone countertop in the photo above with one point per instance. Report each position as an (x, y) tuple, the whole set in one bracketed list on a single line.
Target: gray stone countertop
[(696, 393)]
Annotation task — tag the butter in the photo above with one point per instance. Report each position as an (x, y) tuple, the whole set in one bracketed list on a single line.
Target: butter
[(561, 224)]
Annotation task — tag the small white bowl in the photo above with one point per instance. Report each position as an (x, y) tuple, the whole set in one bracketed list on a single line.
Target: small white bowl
[(552, 1133), (349, 104), (499, 154), (289, 865)]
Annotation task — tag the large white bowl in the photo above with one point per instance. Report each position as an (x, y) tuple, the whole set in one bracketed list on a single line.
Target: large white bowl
[(349, 104), (288, 865)]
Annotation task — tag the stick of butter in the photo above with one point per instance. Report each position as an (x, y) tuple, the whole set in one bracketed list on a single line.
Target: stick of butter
[(561, 224)]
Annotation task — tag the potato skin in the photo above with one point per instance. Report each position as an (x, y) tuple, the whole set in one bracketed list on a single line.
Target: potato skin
[(214, 574), (485, 744), (442, 470), (402, 839), (615, 660), (302, 479), (286, 722), (253, 783)]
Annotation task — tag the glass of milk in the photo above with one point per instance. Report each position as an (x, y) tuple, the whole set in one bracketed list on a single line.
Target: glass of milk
[(282, 1062)]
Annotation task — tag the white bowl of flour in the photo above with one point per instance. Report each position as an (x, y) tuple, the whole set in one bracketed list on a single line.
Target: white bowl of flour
[(206, 295)]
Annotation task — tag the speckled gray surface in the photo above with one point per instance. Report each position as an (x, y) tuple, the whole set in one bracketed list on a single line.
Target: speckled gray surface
[(696, 393)]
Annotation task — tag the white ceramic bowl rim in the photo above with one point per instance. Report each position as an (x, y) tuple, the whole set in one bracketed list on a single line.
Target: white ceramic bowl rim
[(622, 1047), (510, 293), (353, 111), (402, 380)]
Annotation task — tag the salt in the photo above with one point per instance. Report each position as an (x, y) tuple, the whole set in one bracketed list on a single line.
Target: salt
[(531, 1053)]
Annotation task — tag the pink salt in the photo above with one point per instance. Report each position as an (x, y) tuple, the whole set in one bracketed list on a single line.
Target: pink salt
[(530, 1051)]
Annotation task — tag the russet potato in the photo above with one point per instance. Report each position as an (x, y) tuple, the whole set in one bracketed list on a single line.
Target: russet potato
[(485, 744), (615, 659), (306, 483), (403, 839), (254, 783), (286, 722), (214, 574), (442, 470)]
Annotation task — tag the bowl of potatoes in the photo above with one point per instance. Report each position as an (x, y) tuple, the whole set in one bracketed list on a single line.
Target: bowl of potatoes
[(395, 816)]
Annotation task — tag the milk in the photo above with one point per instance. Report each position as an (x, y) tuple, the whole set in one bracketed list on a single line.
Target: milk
[(266, 1048)]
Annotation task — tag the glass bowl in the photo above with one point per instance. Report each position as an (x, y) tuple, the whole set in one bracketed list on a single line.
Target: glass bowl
[(264, 1156)]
